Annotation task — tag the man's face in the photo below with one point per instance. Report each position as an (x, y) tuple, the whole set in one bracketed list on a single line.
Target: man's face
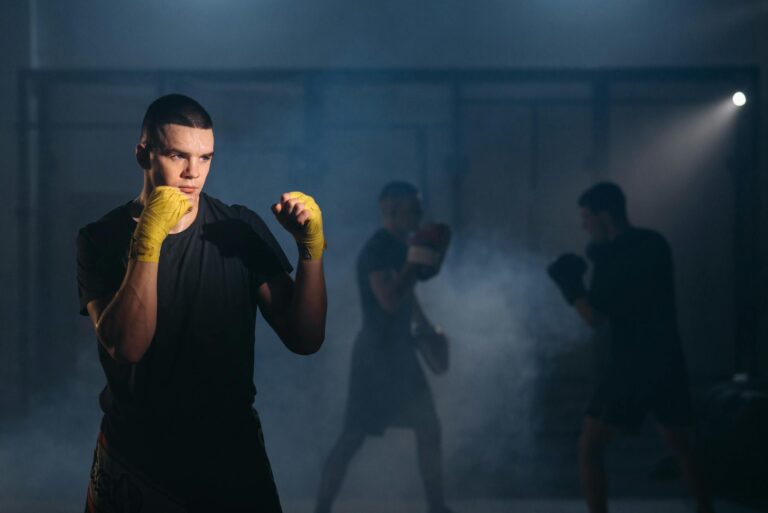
[(596, 225), (182, 159), (408, 214)]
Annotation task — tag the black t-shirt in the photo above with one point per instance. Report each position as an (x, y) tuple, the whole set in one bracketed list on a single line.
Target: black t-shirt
[(200, 362), (382, 252), (633, 286)]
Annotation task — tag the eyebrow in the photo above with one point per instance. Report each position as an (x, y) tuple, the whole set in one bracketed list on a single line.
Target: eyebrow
[(166, 151)]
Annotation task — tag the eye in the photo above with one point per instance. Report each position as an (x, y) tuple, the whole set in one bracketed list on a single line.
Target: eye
[(174, 156), (206, 158)]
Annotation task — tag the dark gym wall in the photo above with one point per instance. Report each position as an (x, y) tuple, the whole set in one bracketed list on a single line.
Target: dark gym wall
[(239, 34), (273, 33), (14, 42)]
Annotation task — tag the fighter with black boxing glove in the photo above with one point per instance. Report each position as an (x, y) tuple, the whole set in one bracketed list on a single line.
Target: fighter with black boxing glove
[(568, 273), (632, 294)]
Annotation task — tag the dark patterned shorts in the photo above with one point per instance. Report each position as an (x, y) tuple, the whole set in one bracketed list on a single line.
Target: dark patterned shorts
[(115, 487)]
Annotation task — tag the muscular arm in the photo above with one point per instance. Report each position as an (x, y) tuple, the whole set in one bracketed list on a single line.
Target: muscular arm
[(419, 318), (125, 324), (391, 288), (297, 311)]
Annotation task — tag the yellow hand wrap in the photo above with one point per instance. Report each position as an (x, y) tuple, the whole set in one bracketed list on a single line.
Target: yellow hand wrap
[(163, 210), (309, 236)]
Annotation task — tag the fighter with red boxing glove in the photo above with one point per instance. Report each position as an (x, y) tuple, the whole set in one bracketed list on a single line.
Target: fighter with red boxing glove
[(427, 248), (387, 386)]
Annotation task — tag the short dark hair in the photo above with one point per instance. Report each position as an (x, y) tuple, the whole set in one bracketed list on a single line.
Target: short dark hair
[(605, 197), (398, 191), (172, 109)]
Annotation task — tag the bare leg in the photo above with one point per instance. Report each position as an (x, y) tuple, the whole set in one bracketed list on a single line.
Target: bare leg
[(678, 439), (430, 455), (336, 468), (595, 436)]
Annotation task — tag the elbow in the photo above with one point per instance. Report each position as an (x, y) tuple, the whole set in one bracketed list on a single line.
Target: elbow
[(597, 321), (118, 349), (592, 323), (389, 304), (307, 351), (306, 345), (312, 346), (593, 319), (124, 354), (389, 308)]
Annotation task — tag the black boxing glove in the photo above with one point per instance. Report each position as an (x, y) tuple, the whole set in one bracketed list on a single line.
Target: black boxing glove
[(568, 273)]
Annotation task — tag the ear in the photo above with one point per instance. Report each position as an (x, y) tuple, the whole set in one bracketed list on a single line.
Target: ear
[(142, 156)]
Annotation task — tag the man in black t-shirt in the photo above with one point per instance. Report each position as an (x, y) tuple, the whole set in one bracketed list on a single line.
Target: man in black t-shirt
[(387, 386), (641, 368), (172, 281)]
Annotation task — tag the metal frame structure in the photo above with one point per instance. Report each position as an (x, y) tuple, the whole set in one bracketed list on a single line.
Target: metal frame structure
[(34, 121)]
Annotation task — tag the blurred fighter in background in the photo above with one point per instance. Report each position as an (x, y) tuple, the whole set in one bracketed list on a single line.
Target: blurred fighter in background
[(387, 386), (172, 282), (631, 305)]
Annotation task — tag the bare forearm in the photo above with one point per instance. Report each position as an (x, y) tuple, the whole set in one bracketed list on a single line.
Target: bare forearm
[(309, 305), (391, 291), (404, 281), (587, 312), (127, 325)]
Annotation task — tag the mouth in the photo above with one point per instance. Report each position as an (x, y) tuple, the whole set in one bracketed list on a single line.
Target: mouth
[(187, 189)]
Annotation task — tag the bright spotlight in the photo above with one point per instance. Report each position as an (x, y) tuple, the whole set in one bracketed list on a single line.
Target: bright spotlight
[(739, 99)]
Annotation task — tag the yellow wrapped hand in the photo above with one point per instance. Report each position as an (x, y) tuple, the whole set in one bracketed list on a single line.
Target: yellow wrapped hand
[(301, 216), (162, 211)]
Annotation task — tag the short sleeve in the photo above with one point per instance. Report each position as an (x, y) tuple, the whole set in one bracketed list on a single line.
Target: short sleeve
[(267, 257), (660, 275), (98, 275), (375, 256), (663, 258), (638, 275)]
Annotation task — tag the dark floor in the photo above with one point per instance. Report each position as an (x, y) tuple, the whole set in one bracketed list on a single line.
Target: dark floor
[(394, 506), (490, 468)]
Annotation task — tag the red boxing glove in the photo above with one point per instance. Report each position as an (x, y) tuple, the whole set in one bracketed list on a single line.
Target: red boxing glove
[(428, 247)]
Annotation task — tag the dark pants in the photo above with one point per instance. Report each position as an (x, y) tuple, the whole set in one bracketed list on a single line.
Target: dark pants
[(223, 467)]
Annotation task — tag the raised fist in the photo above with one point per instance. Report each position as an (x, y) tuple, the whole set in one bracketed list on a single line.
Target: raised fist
[(163, 210), (301, 216), (427, 249), (568, 273)]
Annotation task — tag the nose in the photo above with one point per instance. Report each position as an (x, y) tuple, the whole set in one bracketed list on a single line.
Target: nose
[(191, 170)]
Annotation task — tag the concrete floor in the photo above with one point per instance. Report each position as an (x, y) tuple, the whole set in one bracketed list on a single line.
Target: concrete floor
[(464, 506), (44, 465), (518, 506)]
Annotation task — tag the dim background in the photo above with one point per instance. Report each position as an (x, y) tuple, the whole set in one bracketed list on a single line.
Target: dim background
[(501, 112)]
